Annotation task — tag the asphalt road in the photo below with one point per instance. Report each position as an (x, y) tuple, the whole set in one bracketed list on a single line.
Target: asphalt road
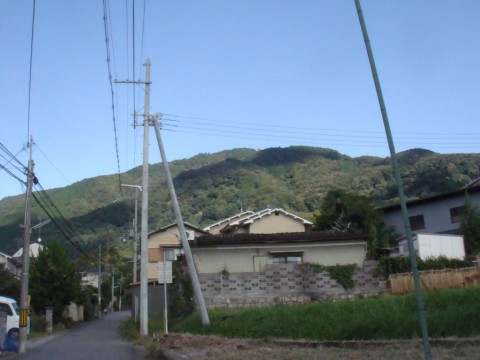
[(92, 340)]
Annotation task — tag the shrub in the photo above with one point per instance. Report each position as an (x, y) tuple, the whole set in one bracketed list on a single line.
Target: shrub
[(343, 274), (397, 265)]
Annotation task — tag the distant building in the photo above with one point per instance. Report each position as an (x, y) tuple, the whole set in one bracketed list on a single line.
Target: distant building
[(439, 214)]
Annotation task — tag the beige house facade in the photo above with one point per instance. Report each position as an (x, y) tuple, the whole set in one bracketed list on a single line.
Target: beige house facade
[(250, 253), (267, 221), (167, 240)]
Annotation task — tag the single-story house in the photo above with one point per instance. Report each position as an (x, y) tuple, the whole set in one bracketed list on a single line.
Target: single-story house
[(241, 253), (439, 214)]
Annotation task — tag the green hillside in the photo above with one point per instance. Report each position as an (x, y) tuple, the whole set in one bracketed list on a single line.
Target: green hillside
[(214, 186)]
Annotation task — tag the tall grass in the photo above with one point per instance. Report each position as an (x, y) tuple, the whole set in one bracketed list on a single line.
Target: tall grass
[(449, 313)]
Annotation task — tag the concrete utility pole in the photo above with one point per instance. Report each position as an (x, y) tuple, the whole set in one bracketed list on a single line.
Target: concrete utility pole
[(113, 287), (135, 226), (183, 235), (398, 179), (22, 339), (144, 225), (144, 229), (99, 297)]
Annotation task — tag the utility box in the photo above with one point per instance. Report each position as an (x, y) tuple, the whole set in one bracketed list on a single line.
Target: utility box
[(434, 245)]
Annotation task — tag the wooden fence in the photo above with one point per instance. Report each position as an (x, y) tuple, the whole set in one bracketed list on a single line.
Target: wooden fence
[(435, 279)]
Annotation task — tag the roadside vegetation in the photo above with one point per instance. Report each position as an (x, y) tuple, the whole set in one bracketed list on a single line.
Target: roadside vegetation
[(326, 330), (450, 313)]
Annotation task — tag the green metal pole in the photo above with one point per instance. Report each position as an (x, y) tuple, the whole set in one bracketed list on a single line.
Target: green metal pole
[(398, 179)]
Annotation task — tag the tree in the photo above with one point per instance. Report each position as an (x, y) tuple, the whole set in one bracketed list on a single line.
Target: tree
[(353, 213), (9, 285), (470, 228), (54, 282)]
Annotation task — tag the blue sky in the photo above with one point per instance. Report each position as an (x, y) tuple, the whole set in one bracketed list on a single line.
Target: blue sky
[(231, 74)]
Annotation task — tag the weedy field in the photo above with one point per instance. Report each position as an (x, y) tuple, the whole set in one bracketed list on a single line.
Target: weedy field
[(374, 328)]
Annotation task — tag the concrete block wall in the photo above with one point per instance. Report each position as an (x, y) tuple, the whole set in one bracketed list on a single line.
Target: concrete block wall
[(285, 284)]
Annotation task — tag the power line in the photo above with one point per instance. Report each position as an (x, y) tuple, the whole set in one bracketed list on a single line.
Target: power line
[(30, 72), (313, 136), (271, 126), (105, 10)]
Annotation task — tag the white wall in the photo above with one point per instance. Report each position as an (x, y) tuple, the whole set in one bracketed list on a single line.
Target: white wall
[(435, 245)]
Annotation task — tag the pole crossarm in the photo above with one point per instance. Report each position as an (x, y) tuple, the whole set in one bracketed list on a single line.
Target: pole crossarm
[(132, 82)]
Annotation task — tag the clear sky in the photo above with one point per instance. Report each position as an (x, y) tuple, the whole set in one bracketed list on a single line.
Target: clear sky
[(257, 74)]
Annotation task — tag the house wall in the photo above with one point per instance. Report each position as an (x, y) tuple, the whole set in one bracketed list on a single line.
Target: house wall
[(90, 278), (254, 259), (435, 245), (436, 215), (285, 284), (280, 223), (168, 238)]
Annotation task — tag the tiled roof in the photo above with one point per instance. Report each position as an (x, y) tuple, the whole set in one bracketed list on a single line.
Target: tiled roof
[(166, 227), (239, 216), (279, 238), (472, 188)]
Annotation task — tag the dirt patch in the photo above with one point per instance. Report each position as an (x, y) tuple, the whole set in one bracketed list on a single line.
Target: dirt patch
[(186, 346)]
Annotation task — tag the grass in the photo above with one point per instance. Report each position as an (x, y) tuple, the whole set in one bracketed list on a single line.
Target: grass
[(449, 313)]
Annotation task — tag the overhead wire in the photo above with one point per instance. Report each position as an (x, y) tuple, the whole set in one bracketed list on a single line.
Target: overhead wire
[(30, 72), (58, 219), (107, 45), (313, 136)]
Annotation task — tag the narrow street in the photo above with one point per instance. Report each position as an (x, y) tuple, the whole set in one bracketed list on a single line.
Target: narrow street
[(97, 339)]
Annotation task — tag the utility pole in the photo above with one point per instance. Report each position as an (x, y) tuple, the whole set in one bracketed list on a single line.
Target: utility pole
[(398, 179), (135, 226), (99, 297), (144, 229), (144, 225), (183, 235), (113, 287), (22, 339)]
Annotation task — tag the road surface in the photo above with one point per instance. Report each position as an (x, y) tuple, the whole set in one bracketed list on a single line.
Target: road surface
[(97, 339)]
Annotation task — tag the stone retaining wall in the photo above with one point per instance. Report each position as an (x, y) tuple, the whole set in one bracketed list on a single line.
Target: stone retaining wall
[(285, 284)]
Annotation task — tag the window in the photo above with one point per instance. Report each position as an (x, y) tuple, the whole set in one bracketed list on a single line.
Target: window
[(417, 222), (6, 309), (456, 214), (287, 257)]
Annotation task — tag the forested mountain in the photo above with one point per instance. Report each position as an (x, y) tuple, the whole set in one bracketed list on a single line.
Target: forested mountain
[(213, 186)]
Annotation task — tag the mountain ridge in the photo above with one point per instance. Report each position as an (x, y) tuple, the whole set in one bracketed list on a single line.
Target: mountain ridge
[(214, 186)]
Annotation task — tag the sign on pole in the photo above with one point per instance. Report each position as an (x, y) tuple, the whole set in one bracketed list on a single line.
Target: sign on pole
[(164, 272)]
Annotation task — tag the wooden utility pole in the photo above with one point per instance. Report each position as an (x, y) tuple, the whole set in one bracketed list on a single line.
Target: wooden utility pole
[(22, 339)]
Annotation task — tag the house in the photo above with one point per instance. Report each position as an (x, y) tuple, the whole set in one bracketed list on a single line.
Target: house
[(267, 221), (166, 240), (4, 259), (263, 258), (89, 277), (439, 214), (34, 250), (14, 262), (250, 253), (434, 245)]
